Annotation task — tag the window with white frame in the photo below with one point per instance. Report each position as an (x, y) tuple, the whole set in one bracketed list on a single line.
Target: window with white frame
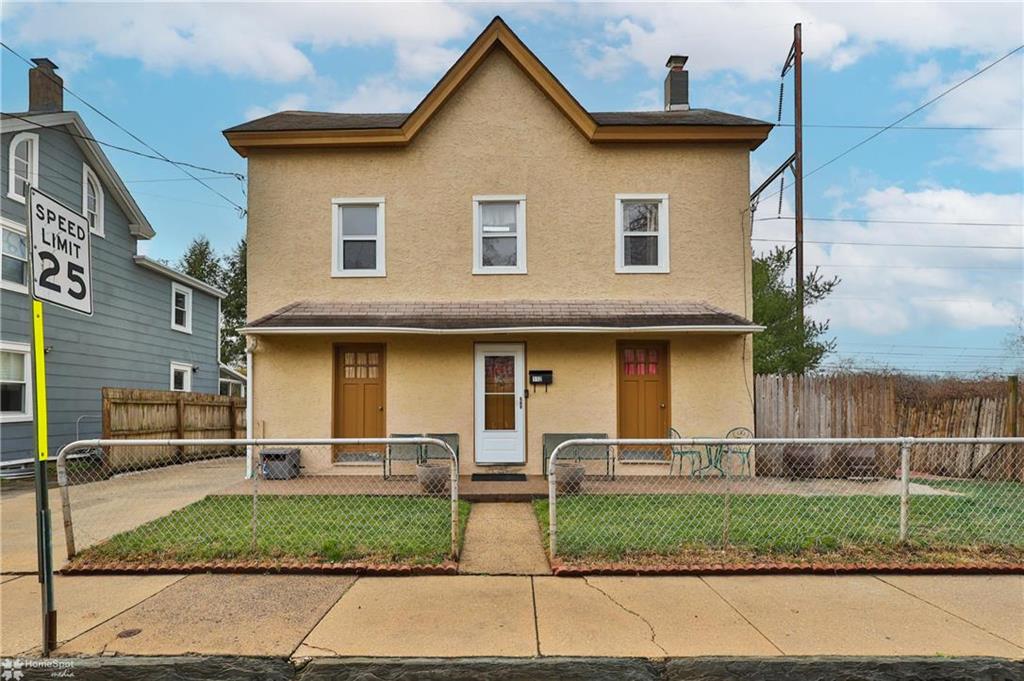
[(641, 233), (23, 165), (92, 200), (181, 308), (499, 235), (358, 237), (14, 261), (15, 383), (181, 377)]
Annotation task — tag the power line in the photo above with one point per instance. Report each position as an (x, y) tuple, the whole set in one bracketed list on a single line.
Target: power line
[(917, 298), (900, 127), (908, 115), (61, 129), (241, 210), (918, 267), (915, 345), (226, 176), (878, 243), (948, 223)]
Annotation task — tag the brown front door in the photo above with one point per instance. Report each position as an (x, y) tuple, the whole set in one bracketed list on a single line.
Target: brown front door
[(359, 395), (643, 391)]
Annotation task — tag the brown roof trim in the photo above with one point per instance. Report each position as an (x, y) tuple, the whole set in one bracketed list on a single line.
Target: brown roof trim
[(497, 34)]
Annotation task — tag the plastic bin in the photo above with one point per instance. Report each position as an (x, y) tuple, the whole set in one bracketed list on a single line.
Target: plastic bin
[(281, 463)]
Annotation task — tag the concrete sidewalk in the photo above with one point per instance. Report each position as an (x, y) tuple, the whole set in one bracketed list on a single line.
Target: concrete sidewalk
[(511, 616)]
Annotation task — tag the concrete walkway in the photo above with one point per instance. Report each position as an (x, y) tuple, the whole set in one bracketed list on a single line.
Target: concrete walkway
[(479, 616), (503, 539)]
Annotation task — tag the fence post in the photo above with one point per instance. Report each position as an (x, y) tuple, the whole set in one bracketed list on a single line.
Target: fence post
[(904, 488), (255, 494), (65, 506), (552, 513), (727, 511), (454, 484)]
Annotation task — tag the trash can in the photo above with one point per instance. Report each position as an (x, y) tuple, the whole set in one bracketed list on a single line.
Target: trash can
[(281, 463)]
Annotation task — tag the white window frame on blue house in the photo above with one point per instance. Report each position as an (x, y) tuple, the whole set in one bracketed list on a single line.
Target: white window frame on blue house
[(88, 176), (186, 371), (33, 164), (177, 288), (15, 228), (26, 352)]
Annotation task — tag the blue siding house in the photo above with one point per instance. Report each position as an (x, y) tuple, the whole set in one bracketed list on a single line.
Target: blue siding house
[(152, 327)]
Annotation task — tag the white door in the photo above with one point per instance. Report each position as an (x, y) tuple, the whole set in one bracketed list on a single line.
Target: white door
[(500, 406)]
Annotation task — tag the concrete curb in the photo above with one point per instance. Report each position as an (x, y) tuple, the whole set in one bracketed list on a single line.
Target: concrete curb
[(530, 669)]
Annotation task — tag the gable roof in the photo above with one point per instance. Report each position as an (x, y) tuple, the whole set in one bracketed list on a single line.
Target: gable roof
[(138, 225), (305, 129)]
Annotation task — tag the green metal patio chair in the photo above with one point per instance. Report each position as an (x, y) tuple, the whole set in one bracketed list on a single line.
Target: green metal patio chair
[(680, 452), (742, 452), (580, 452), (402, 452)]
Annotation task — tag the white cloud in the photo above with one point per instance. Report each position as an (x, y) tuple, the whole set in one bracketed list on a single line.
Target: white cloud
[(379, 94), (257, 40), (836, 34), (888, 290)]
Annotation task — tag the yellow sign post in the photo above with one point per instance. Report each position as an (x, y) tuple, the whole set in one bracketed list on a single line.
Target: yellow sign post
[(39, 372)]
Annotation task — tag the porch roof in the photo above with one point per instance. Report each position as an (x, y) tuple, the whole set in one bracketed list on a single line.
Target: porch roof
[(499, 316)]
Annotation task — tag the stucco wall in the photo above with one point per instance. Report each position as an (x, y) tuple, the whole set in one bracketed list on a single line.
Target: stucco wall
[(499, 135), (430, 388)]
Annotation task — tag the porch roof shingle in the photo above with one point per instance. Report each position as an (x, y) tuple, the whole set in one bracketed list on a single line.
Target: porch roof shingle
[(499, 314)]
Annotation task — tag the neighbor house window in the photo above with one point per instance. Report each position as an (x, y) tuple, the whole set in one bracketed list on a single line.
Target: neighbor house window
[(15, 383), (92, 200), (499, 235), (181, 308), (23, 165), (641, 233), (358, 238), (14, 274), (181, 377)]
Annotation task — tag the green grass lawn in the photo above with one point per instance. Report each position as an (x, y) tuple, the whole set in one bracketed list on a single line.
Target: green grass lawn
[(613, 527), (315, 528)]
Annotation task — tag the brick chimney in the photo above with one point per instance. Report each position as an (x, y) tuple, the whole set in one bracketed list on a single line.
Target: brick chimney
[(45, 87), (677, 84)]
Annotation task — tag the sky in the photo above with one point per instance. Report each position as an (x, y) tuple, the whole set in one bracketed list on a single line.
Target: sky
[(176, 75)]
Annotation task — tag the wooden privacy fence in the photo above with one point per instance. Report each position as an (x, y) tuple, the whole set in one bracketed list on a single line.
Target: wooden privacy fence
[(130, 413), (866, 405)]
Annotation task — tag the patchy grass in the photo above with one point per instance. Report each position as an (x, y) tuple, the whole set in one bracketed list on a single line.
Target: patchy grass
[(310, 528), (987, 521)]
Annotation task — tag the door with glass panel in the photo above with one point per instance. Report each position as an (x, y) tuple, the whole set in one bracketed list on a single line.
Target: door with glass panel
[(359, 399), (500, 405), (643, 396)]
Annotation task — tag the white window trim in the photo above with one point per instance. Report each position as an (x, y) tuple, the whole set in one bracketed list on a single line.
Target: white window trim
[(20, 229), (33, 169), (663, 231), (26, 350), (175, 289), (336, 262), (87, 175), (478, 266), (187, 368)]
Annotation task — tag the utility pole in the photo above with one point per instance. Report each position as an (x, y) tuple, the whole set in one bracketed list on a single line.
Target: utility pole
[(795, 163), (798, 164)]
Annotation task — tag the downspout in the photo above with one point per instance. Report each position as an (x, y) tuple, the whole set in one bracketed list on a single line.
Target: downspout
[(249, 345)]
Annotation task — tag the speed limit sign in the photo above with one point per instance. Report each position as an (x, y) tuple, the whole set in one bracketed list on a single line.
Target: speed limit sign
[(61, 257)]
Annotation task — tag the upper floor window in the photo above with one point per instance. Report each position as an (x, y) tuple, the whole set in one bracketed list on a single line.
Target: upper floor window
[(641, 233), (92, 200), (181, 308), (23, 165), (14, 274), (181, 377), (499, 235), (358, 238), (15, 383)]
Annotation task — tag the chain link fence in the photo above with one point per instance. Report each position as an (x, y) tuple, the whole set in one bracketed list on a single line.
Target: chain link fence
[(739, 501), (260, 502)]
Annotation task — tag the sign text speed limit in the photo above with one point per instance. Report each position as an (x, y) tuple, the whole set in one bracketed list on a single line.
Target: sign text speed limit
[(61, 259)]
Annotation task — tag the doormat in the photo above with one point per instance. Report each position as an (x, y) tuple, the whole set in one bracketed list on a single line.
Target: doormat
[(498, 477)]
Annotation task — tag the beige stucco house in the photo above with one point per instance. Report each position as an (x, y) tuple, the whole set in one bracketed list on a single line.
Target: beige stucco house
[(499, 264)]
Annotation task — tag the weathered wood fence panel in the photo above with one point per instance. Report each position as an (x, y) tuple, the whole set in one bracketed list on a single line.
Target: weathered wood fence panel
[(130, 413), (866, 405)]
